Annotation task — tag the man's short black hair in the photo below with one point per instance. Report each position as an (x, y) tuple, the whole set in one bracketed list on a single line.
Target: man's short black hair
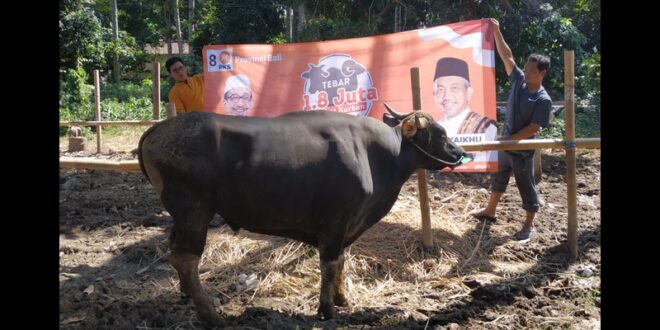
[(171, 61), (542, 61)]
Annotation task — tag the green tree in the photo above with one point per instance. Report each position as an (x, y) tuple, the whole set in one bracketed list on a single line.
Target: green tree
[(239, 22), (81, 36)]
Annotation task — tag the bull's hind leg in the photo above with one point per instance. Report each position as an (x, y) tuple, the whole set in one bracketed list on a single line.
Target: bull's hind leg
[(190, 226), (332, 259), (339, 284)]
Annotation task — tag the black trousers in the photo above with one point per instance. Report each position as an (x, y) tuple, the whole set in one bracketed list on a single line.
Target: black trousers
[(521, 163)]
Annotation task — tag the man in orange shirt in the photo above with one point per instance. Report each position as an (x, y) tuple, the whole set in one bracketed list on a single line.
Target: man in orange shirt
[(188, 92)]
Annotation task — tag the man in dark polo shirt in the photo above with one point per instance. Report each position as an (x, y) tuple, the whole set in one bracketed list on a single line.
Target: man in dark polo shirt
[(528, 109)]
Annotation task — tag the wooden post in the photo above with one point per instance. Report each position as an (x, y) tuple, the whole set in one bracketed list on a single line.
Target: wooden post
[(171, 109), (427, 240), (97, 105), (155, 99), (569, 122)]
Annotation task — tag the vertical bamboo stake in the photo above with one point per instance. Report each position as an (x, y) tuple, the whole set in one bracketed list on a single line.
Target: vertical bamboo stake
[(97, 105), (427, 240), (155, 99), (569, 122), (171, 109)]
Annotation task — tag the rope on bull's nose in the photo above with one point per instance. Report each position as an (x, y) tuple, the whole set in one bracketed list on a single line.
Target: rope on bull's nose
[(459, 161)]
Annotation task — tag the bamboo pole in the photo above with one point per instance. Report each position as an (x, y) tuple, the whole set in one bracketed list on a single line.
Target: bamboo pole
[(97, 105), (109, 123), (588, 143), (132, 165), (427, 240), (99, 164), (155, 100), (569, 121), (504, 103)]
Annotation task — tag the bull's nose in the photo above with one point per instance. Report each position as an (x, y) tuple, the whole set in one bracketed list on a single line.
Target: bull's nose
[(465, 158)]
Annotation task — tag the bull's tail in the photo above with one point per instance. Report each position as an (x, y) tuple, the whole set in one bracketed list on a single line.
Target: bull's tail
[(139, 150)]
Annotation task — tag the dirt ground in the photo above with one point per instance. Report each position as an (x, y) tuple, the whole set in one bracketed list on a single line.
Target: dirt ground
[(114, 272)]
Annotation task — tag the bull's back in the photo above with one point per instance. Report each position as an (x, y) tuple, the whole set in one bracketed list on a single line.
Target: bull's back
[(177, 150), (295, 172)]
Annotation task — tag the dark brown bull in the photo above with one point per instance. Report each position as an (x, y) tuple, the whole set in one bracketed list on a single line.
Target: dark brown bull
[(319, 177)]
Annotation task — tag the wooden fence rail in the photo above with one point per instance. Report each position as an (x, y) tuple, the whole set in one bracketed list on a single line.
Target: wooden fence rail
[(569, 145), (110, 123), (133, 166)]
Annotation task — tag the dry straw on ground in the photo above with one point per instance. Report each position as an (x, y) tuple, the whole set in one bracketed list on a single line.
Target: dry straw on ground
[(387, 273), (385, 267)]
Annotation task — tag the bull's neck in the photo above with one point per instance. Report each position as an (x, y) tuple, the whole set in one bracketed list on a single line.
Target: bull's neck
[(407, 157)]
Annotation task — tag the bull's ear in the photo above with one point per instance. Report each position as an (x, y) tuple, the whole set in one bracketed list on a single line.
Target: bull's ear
[(390, 120), (408, 128)]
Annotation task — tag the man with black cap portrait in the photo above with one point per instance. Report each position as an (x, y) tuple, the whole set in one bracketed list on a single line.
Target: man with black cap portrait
[(452, 92)]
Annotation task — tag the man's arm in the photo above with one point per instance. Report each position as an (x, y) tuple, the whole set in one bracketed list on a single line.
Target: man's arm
[(502, 48), (174, 98), (524, 133), (491, 132)]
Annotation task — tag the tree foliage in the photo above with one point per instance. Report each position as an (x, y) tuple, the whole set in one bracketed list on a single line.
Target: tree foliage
[(239, 22), (529, 26)]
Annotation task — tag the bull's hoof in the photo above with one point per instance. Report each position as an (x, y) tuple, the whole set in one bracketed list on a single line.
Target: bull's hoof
[(210, 318), (341, 301), (327, 312)]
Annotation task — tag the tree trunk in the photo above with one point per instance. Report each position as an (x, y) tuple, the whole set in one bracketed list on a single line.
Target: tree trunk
[(115, 37), (301, 19), (289, 12), (168, 28), (191, 16), (175, 3), (397, 17)]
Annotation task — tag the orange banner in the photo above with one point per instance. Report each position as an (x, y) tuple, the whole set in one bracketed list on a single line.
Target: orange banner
[(356, 76)]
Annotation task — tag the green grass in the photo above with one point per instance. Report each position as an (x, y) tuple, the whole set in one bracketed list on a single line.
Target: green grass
[(590, 297)]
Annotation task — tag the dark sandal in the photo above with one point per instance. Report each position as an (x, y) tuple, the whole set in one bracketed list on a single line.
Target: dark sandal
[(524, 234), (484, 217)]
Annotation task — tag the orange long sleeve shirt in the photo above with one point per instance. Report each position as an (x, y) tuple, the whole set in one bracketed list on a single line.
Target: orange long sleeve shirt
[(188, 96)]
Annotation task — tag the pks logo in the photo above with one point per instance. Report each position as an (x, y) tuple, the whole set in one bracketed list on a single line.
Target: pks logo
[(220, 60), (338, 83)]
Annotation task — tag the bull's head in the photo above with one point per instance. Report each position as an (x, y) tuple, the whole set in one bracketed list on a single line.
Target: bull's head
[(428, 137)]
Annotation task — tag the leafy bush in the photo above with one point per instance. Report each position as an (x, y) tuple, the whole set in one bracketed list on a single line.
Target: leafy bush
[(555, 130), (587, 125), (128, 101), (588, 80), (76, 96), (120, 101), (133, 109), (123, 91)]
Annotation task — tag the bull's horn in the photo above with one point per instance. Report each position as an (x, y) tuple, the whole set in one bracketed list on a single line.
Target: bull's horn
[(394, 113), (421, 122)]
